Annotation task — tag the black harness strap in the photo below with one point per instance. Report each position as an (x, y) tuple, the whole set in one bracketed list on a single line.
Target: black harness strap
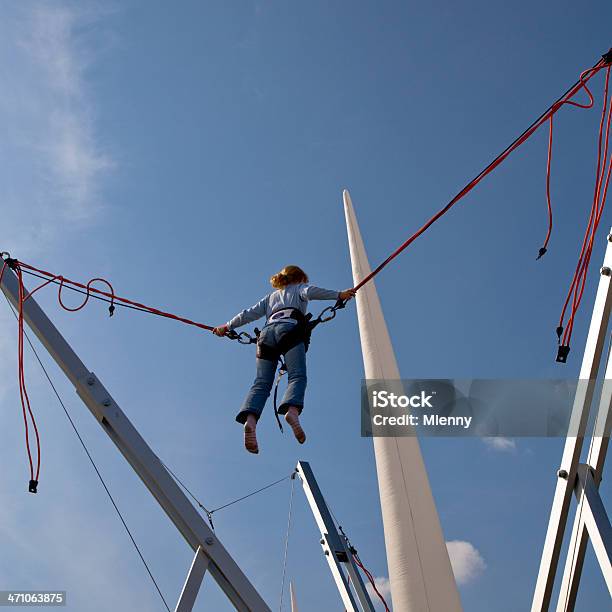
[(281, 371)]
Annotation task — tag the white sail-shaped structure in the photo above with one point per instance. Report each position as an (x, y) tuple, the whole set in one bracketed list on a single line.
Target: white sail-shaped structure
[(420, 572), (294, 607)]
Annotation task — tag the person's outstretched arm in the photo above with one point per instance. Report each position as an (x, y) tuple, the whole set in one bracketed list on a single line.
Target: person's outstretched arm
[(310, 292), (246, 316)]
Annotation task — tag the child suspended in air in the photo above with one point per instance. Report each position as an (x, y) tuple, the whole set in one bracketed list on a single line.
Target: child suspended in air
[(283, 334)]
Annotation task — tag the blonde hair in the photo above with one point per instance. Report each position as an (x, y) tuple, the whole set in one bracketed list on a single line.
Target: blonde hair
[(288, 276)]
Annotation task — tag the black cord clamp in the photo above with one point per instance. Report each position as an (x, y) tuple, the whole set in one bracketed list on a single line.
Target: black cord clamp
[(562, 353), (10, 262)]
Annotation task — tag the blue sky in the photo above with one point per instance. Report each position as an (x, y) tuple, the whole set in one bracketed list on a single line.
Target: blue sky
[(188, 153)]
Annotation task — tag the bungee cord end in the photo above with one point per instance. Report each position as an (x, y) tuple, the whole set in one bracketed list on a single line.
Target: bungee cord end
[(541, 253), (607, 57), (33, 486), (10, 261), (563, 349), (111, 310), (562, 353)]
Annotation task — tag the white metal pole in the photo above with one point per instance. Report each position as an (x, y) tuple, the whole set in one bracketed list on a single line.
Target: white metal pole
[(595, 461), (567, 473), (420, 572), (193, 582), (294, 606)]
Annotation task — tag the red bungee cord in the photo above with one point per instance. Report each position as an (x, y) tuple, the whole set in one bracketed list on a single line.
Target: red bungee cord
[(575, 293), (554, 109), (106, 294), (544, 247), (371, 580), (585, 77), (23, 392), (17, 267), (602, 181)]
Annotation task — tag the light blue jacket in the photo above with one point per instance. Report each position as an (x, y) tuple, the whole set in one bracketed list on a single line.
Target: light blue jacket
[(293, 296)]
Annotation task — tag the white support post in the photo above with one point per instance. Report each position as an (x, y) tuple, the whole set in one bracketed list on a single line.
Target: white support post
[(595, 460), (420, 571), (139, 455), (294, 606), (193, 582), (596, 522), (335, 547), (568, 480)]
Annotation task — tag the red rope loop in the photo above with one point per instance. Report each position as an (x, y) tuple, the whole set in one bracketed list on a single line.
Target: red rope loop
[(106, 294), (88, 289)]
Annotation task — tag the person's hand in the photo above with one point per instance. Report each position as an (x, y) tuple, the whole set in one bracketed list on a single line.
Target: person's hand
[(221, 330), (347, 294)]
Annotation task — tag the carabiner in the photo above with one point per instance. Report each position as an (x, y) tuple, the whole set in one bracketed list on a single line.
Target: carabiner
[(330, 309), (246, 338)]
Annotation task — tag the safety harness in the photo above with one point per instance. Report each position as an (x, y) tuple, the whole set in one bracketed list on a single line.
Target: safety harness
[(303, 324)]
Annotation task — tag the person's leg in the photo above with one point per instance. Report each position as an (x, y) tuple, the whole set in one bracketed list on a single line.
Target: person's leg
[(293, 400), (260, 390), (255, 401), (295, 359)]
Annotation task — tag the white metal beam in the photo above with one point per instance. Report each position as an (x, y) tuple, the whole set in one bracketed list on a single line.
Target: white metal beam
[(193, 582), (595, 460), (139, 455), (596, 522), (567, 474), (335, 547)]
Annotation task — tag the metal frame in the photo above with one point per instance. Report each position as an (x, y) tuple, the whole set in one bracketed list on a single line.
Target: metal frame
[(582, 479), (210, 553), (335, 546)]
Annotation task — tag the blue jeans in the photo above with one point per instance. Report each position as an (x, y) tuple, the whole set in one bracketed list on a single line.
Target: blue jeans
[(295, 359)]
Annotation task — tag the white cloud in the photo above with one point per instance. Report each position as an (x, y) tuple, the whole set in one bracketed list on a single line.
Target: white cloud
[(51, 172), (52, 163), (466, 561), (500, 443), (383, 586)]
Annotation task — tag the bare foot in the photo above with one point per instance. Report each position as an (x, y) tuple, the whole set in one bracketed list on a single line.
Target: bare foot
[(293, 419), (250, 435)]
